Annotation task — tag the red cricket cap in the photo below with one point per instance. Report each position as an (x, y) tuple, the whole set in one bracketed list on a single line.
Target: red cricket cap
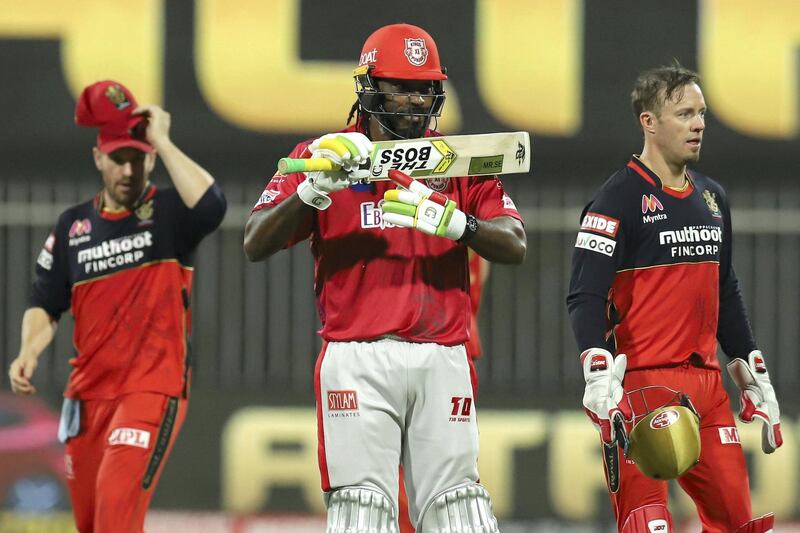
[(108, 105), (403, 52)]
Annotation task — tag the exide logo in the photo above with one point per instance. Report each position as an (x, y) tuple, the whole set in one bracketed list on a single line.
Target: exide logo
[(651, 203)]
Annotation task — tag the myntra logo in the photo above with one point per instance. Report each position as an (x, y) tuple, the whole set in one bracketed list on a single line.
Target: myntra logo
[(80, 227), (651, 203)]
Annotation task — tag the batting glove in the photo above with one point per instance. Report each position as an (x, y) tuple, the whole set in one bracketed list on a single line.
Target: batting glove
[(757, 398), (603, 396), (414, 205), (346, 150)]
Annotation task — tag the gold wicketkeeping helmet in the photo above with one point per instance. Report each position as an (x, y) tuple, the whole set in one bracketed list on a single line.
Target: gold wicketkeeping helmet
[(665, 443)]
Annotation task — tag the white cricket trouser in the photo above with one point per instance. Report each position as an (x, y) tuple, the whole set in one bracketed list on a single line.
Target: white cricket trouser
[(385, 401)]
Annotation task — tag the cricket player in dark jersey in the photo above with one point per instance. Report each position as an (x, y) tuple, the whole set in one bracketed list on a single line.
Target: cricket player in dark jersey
[(122, 262), (653, 290)]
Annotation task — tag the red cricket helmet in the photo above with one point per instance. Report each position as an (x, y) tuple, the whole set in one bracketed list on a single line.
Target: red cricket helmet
[(406, 53)]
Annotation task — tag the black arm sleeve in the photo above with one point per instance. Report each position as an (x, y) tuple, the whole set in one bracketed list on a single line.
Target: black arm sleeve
[(733, 329), (594, 270), (52, 289), (202, 219), (587, 315)]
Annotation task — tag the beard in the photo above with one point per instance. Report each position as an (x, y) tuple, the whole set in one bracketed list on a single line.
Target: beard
[(403, 127)]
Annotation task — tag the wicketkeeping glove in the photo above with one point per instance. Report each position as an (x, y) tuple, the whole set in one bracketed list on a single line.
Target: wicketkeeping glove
[(757, 398), (604, 398), (416, 206), (348, 150)]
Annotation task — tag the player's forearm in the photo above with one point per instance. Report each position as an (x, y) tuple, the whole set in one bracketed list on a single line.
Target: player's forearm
[(190, 179), (500, 240), (38, 330), (269, 230)]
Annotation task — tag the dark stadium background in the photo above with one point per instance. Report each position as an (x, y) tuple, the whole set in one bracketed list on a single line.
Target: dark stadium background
[(254, 324)]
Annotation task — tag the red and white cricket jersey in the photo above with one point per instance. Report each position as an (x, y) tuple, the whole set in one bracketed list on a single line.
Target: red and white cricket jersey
[(373, 279)]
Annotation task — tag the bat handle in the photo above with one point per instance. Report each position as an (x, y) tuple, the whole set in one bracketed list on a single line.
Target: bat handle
[(287, 165)]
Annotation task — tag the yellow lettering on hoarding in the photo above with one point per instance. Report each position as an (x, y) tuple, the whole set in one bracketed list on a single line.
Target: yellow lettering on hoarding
[(575, 475), (748, 59), (773, 477), (250, 71), (502, 433), (100, 40), (529, 63), (264, 448)]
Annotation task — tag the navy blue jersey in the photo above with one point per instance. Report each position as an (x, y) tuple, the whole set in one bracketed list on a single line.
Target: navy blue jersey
[(127, 278), (652, 274)]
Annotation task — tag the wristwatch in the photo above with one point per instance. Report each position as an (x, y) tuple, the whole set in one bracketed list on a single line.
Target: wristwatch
[(470, 229)]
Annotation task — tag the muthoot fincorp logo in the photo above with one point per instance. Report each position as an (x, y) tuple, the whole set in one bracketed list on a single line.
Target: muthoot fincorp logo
[(114, 253)]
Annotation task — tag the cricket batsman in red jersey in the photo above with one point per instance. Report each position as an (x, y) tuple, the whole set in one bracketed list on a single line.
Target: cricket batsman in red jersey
[(653, 290), (122, 262), (393, 383)]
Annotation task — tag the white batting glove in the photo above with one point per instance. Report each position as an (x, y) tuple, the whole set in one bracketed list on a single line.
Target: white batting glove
[(349, 151), (417, 206), (604, 397), (757, 398)]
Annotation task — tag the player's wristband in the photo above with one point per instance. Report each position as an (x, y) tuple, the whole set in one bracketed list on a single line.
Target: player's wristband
[(470, 229)]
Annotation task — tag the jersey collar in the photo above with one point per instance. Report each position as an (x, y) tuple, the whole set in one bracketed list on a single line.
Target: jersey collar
[(652, 178), (148, 193)]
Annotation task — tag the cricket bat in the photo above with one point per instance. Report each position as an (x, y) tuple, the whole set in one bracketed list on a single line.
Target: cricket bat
[(436, 157)]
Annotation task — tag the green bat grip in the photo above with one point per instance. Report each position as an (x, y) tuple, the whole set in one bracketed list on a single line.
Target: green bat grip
[(288, 165)]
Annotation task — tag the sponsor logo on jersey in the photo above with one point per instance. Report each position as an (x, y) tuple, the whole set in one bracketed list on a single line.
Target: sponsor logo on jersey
[(80, 227), (115, 253), (595, 243), (266, 197), (372, 216), (461, 409), (665, 419), (657, 526), (651, 203), (129, 437), (692, 241), (437, 184), (342, 403), (508, 203), (711, 202), (45, 260), (600, 224), (416, 52), (79, 232), (729, 435)]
